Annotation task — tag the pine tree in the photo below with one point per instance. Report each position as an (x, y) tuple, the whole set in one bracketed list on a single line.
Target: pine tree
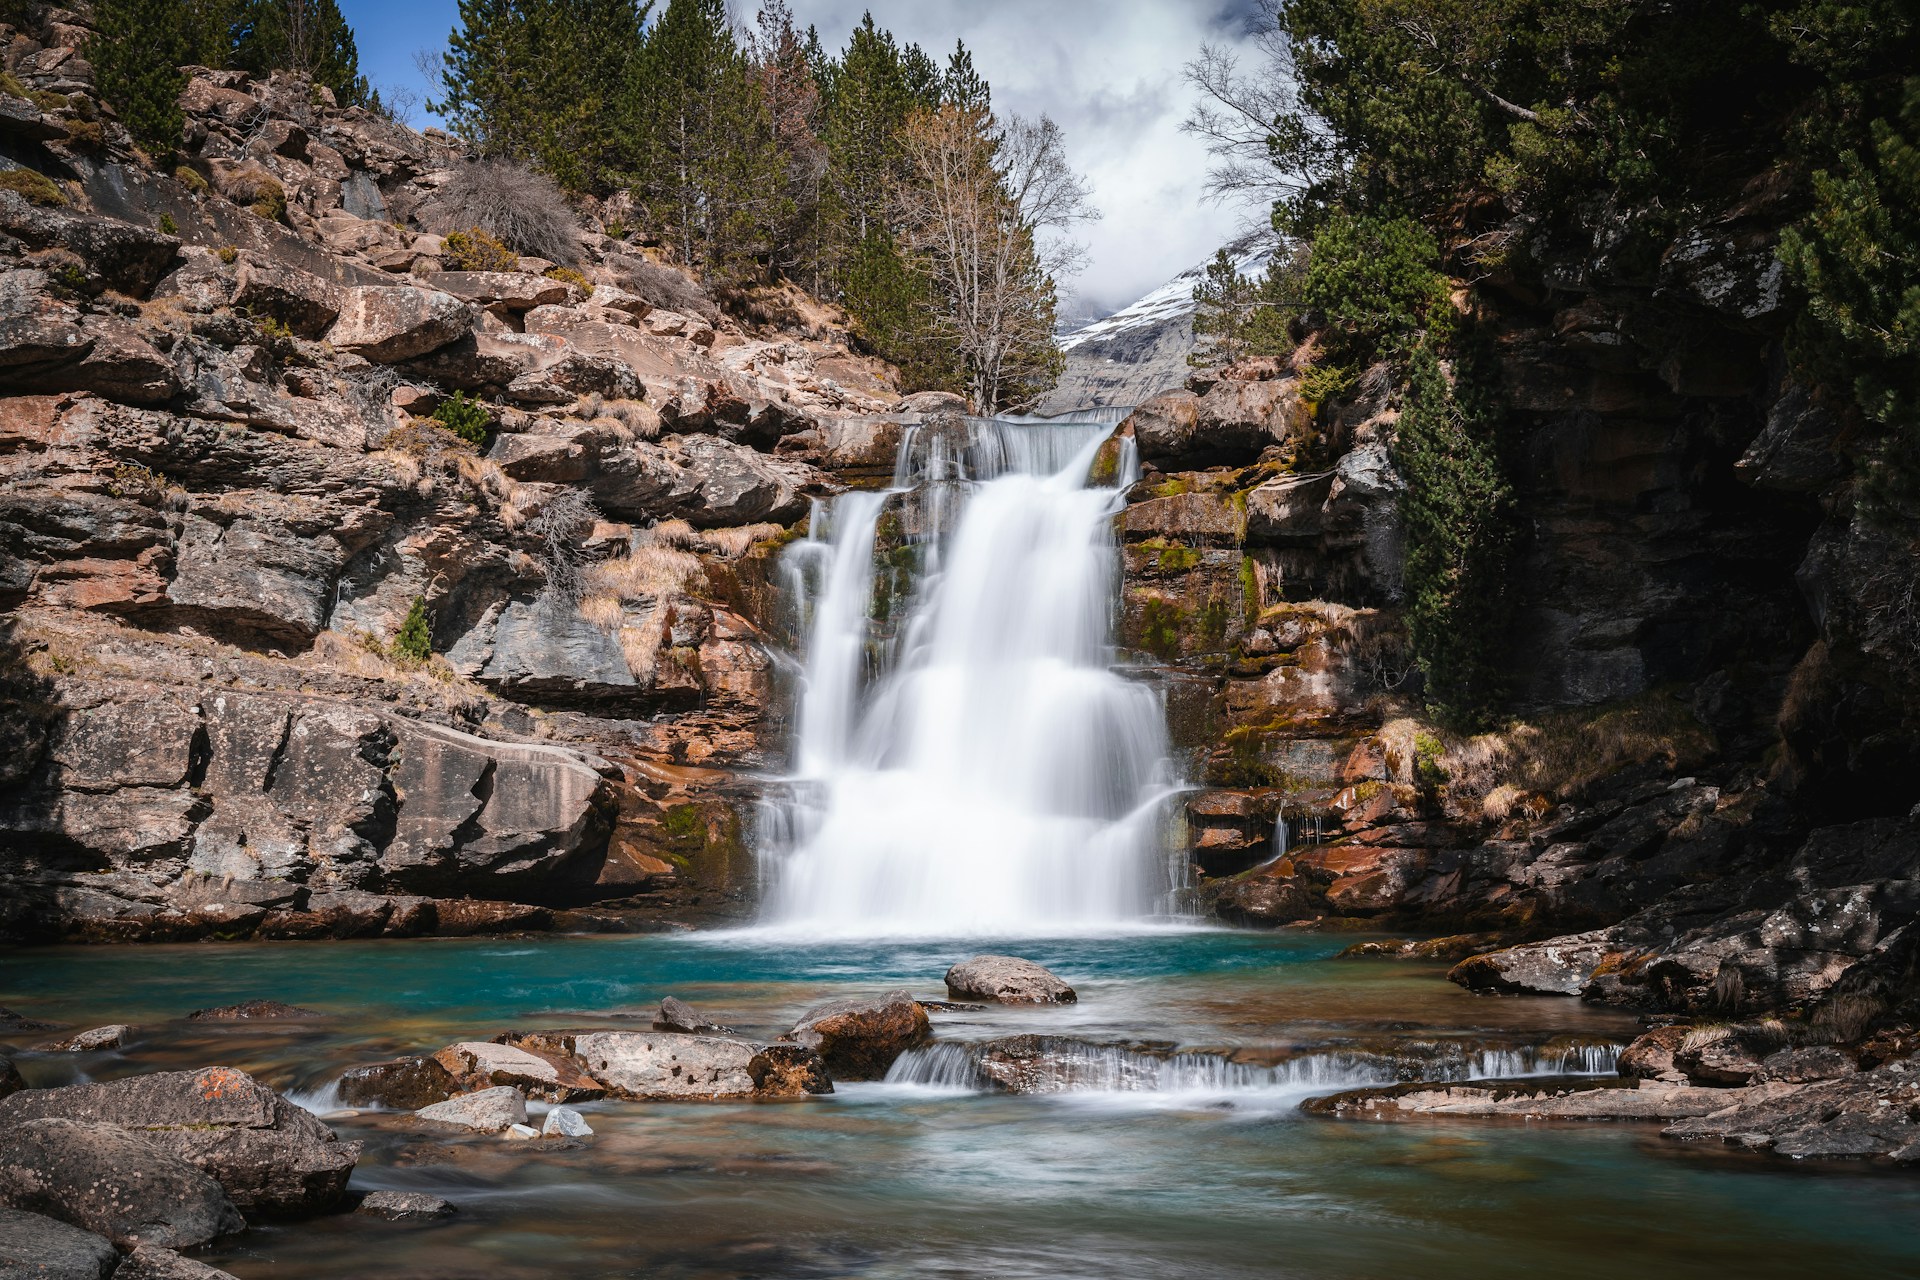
[(137, 52), (310, 37), (414, 641), (1224, 301)]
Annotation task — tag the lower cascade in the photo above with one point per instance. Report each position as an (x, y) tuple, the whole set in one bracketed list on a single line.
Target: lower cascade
[(967, 758)]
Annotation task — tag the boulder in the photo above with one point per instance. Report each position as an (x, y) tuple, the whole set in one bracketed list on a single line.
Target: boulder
[(677, 1015), (479, 1064), (272, 1158), (860, 1038), (565, 1122), (488, 1110), (149, 1263), (34, 1247), (1728, 1056), (1560, 967), (1650, 1056), (1008, 980), (107, 1180), (298, 299), (406, 1084), (99, 1038), (388, 324), (507, 290), (11, 1081), (405, 1206), (666, 1066), (1867, 1114)]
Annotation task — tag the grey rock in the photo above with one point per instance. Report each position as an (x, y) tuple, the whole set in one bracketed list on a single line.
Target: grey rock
[(405, 1206), (1560, 967), (99, 1038), (488, 1110), (667, 1066), (303, 302), (406, 1084), (107, 1180), (388, 324), (1006, 980), (34, 1247), (255, 1011), (1868, 1114), (565, 1122), (11, 1081), (677, 1015), (521, 1133), (271, 1157), (540, 1075)]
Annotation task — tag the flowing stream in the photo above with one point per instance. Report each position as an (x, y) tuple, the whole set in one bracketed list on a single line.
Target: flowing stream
[(968, 760)]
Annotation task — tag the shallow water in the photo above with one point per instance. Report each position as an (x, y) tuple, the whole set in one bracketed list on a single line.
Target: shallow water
[(888, 1181)]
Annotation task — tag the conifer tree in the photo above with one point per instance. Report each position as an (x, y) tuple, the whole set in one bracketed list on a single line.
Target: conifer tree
[(137, 51), (310, 37)]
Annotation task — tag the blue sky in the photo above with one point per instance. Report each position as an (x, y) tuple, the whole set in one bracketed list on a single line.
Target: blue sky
[(1107, 70)]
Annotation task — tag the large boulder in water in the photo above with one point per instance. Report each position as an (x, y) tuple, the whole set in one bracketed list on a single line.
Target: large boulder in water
[(271, 1157), (477, 1065), (47, 1249), (488, 1110), (859, 1039), (1008, 980), (104, 1179), (405, 1084), (668, 1066)]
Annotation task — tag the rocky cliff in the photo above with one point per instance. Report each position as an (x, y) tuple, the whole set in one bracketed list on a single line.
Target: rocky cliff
[(226, 491), (1709, 777)]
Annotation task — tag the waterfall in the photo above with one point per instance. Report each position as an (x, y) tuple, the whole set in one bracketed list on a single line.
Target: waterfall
[(967, 760)]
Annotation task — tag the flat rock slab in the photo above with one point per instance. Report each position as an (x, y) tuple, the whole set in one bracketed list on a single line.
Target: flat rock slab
[(148, 1263), (488, 1110), (1007, 980), (479, 1064), (1873, 1113), (255, 1011), (1532, 1101), (112, 1182), (270, 1156), (666, 1066), (48, 1249), (95, 1040)]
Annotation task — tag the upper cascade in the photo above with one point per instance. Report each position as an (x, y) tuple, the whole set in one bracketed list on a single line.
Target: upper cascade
[(968, 761)]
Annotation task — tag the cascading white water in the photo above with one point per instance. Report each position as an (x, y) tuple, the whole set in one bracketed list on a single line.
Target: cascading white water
[(986, 771)]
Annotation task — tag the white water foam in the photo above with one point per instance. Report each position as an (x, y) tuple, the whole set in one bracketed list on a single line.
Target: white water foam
[(975, 765)]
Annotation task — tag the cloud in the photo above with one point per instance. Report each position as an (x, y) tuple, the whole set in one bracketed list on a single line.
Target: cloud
[(1108, 71)]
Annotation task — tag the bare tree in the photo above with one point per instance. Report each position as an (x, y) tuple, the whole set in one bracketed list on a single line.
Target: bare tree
[(1243, 108), (982, 210)]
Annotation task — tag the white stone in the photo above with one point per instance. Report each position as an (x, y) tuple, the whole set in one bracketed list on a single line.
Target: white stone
[(565, 1122), (522, 1132), (489, 1110)]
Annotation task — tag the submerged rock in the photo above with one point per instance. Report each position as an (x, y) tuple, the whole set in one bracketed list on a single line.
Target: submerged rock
[(1008, 980), (271, 1157), (11, 1081), (104, 1179), (405, 1206), (489, 1110), (32, 1245), (149, 1263), (254, 1011), (860, 1038), (99, 1038)]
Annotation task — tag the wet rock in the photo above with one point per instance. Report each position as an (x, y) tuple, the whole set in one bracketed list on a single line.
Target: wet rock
[(149, 1263), (1560, 967), (255, 1011), (860, 1038), (1650, 1056), (1007, 980), (478, 1064), (468, 918), (42, 1248), (11, 1021), (677, 1015), (107, 1180), (521, 1133), (667, 1066), (1530, 1100), (407, 1084), (11, 1081), (565, 1122), (405, 1206), (1870, 1113), (388, 324), (99, 1038), (272, 1158), (488, 1110)]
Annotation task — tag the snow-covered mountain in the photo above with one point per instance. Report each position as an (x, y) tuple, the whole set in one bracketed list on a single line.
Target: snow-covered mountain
[(1142, 349)]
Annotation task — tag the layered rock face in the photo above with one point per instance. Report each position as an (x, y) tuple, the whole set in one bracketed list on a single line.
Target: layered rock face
[(222, 493), (1708, 783)]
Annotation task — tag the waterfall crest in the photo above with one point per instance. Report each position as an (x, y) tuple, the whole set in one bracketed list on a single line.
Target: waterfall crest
[(967, 761)]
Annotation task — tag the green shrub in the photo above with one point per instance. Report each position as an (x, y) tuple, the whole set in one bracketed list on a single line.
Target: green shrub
[(168, 226), (36, 187), (1459, 527), (85, 135), (1375, 284), (567, 275), (1161, 622), (227, 254), (466, 418), (189, 177), (414, 641), (475, 250)]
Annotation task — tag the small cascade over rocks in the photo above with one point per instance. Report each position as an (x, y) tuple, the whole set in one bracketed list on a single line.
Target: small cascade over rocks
[(967, 759), (1039, 1064)]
